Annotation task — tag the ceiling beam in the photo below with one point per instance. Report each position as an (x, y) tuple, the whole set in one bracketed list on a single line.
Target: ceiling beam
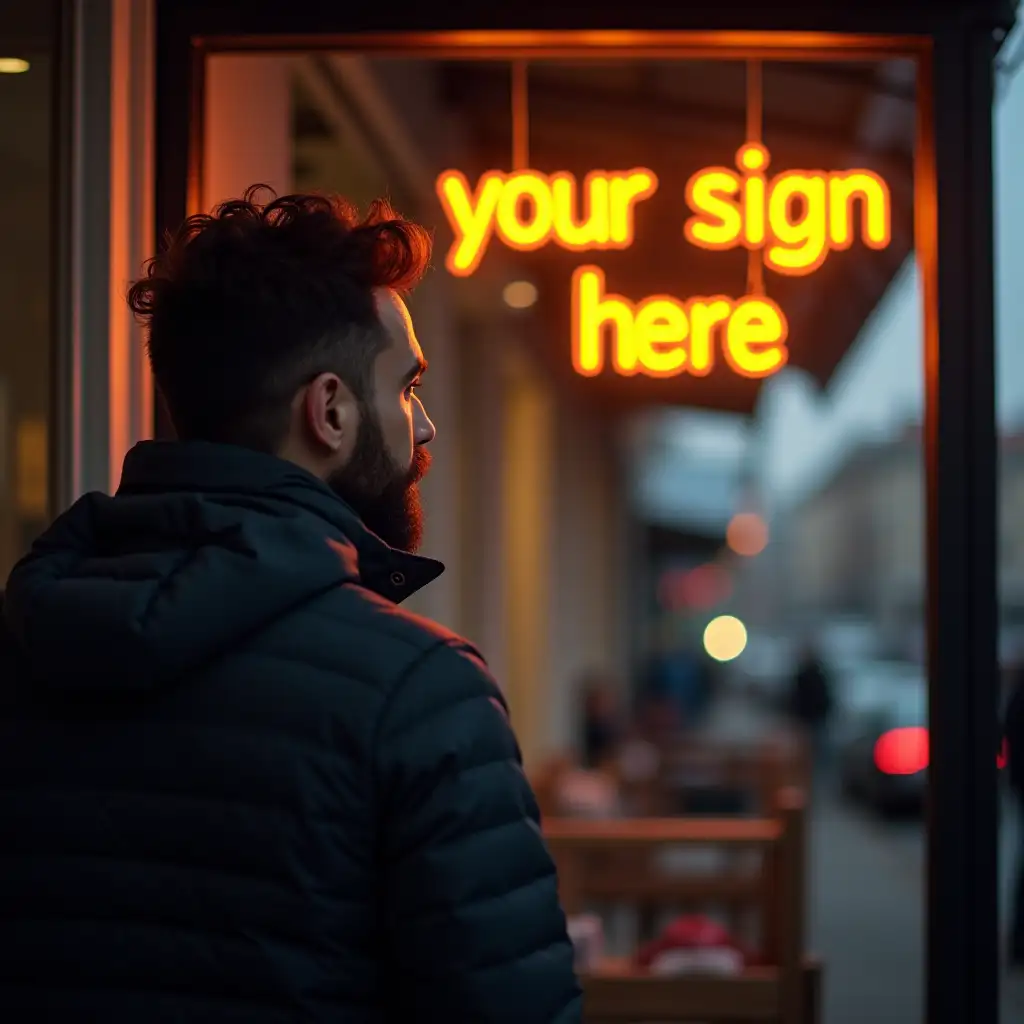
[(868, 78)]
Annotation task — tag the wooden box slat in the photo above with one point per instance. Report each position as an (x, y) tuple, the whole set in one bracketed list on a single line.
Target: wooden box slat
[(653, 832), (615, 993)]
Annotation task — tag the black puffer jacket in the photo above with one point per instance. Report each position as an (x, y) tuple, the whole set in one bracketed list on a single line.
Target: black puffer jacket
[(238, 784)]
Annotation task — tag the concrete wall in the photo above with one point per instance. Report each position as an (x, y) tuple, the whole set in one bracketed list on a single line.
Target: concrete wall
[(589, 570), (248, 125), (857, 544)]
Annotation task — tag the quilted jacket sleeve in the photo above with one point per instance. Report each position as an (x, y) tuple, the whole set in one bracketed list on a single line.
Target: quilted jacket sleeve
[(468, 890)]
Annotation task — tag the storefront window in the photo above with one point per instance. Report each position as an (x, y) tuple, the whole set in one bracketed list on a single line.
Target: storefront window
[(26, 120), (786, 568)]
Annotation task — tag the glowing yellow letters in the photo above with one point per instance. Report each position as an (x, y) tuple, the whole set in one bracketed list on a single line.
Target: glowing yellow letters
[(794, 218), (662, 336), (797, 217), (528, 209)]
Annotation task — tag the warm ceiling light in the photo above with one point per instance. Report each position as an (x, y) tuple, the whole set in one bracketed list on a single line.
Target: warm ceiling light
[(13, 66), (520, 294)]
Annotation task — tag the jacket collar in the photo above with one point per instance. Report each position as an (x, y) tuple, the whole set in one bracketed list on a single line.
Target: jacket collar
[(222, 469)]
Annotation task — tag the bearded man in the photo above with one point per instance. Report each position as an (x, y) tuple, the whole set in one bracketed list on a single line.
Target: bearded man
[(239, 782)]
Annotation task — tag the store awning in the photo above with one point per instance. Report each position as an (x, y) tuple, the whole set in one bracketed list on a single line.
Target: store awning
[(675, 118)]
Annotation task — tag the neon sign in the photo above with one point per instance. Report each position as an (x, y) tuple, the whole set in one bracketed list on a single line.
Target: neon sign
[(662, 336), (796, 218), (793, 219), (527, 210)]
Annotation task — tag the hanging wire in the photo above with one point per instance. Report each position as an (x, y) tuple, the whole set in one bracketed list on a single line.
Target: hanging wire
[(520, 116), (755, 129), (755, 100)]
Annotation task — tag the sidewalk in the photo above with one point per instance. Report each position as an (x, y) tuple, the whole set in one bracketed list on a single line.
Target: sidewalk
[(866, 898)]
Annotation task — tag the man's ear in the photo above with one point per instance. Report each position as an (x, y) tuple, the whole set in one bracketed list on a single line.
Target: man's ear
[(330, 412)]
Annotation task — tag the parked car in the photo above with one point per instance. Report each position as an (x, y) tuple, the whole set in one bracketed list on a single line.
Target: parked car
[(881, 736)]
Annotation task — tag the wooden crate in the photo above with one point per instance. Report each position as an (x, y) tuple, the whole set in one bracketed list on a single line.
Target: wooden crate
[(607, 859)]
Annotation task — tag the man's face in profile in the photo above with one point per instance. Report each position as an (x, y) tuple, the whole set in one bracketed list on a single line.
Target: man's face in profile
[(380, 481)]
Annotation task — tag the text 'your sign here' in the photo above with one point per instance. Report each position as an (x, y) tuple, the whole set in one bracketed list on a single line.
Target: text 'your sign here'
[(794, 219)]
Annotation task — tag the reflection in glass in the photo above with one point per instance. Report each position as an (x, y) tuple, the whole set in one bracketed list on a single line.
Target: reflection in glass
[(25, 274)]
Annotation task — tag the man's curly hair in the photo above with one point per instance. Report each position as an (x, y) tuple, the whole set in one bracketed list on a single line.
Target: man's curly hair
[(248, 303)]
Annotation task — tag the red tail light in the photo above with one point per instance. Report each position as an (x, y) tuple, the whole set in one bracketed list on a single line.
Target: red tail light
[(905, 751), (902, 751)]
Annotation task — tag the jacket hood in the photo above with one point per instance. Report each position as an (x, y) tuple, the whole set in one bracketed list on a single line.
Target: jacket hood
[(202, 546)]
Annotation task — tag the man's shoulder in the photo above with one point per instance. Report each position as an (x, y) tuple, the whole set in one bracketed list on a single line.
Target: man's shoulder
[(446, 703), (367, 610), (387, 642)]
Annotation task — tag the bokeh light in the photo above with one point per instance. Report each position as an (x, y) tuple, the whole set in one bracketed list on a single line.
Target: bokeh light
[(700, 588), (520, 294), (725, 638), (13, 66), (747, 534), (902, 751)]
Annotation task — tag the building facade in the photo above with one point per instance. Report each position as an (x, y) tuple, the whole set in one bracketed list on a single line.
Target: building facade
[(854, 548)]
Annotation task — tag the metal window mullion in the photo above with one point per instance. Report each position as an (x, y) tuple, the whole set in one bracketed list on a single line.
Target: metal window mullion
[(962, 929)]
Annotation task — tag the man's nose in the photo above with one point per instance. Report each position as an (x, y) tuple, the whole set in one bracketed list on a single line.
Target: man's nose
[(423, 429)]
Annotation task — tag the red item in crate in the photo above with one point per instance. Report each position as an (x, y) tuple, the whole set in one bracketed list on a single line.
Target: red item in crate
[(694, 934)]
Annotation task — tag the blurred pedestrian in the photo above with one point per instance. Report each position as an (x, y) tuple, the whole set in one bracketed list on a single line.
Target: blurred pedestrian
[(602, 723), (674, 680), (811, 702), (240, 783)]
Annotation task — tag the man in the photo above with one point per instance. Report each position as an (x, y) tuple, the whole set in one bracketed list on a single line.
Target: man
[(810, 703), (238, 782)]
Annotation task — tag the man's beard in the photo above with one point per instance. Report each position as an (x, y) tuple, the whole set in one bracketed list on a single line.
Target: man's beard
[(385, 497)]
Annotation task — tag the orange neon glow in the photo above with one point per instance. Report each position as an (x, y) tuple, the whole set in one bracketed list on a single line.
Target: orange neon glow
[(662, 336), (797, 217), (528, 209), (794, 219)]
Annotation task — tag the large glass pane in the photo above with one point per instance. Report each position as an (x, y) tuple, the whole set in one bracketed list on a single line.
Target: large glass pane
[(669, 536), (26, 127), (1008, 126)]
